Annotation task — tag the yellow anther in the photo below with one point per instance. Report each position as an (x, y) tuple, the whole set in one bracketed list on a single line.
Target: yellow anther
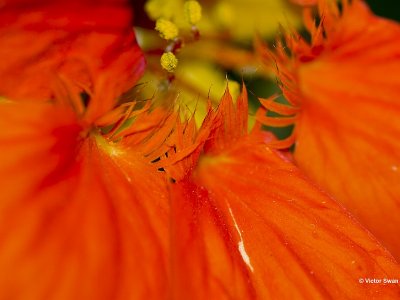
[(168, 9), (192, 11), (167, 29), (169, 61), (153, 9)]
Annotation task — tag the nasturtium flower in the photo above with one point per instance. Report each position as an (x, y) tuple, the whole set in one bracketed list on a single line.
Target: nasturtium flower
[(105, 196), (247, 224), (158, 209), (344, 91)]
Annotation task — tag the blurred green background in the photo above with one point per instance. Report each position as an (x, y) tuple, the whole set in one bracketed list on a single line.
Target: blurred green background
[(386, 8)]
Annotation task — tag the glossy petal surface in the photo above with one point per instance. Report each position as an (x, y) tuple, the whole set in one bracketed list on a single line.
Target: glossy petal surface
[(77, 218), (249, 225)]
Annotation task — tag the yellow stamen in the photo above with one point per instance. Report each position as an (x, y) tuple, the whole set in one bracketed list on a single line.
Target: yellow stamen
[(192, 11), (167, 29), (153, 9), (167, 9), (169, 61)]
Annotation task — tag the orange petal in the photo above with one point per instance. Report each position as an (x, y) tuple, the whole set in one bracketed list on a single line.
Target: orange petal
[(77, 39), (248, 225), (347, 136), (85, 219), (347, 131), (79, 220)]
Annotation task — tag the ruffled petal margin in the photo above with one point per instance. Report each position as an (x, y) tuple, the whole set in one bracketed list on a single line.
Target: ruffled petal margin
[(83, 218), (247, 224), (347, 86)]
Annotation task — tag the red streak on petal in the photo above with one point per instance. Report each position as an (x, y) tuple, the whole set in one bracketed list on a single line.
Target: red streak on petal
[(77, 220), (77, 40)]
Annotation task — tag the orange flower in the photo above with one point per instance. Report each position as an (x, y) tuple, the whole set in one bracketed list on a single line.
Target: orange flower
[(110, 200), (246, 216), (42, 40), (89, 215), (346, 87)]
